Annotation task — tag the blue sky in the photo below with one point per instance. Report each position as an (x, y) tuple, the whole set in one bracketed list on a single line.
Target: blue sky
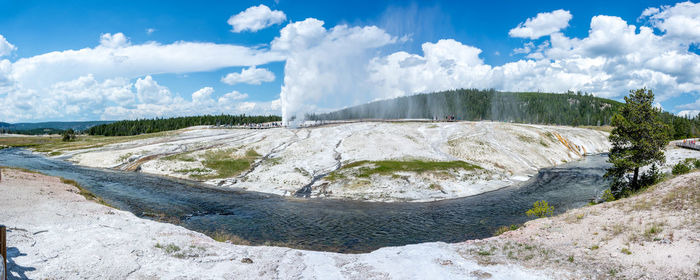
[(358, 54)]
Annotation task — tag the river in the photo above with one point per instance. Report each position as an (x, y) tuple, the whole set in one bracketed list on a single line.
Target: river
[(325, 224)]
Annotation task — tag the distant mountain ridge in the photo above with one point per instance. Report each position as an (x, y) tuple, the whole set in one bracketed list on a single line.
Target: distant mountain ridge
[(472, 104), (51, 126)]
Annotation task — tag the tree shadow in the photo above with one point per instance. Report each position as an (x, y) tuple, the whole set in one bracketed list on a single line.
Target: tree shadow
[(14, 270)]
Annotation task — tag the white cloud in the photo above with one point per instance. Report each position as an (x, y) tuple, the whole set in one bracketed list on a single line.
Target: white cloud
[(150, 31), (118, 40), (681, 21), (542, 25), (150, 92), (232, 96), (115, 57), (255, 18), (326, 67), (5, 47), (202, 95), (614, 58), (252, 75)]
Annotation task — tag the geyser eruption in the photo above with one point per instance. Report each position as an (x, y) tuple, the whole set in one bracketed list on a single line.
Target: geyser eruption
[(325, 68)]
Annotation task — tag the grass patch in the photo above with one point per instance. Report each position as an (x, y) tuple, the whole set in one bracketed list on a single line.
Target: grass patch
[(683, 197), (124, 157), (85, 193), (626, 251), (224, 165), (222, 236), (526, 139), (652, 231), (385, 167), (504, 229), (169, 249), (181, 157)]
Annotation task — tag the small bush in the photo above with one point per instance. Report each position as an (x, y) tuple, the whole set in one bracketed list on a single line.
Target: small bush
[(626, 251), (608, 196), (680, 168), (696, 163), (540, 209), (571, 258)]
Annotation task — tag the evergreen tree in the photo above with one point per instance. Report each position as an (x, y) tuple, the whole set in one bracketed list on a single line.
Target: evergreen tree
[(638, 138)]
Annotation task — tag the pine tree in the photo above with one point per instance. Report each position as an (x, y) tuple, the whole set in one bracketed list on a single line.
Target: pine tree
[(638, 138)]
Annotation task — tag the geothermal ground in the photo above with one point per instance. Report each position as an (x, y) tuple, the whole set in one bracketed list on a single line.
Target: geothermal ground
[(53, 232), (377, 161)]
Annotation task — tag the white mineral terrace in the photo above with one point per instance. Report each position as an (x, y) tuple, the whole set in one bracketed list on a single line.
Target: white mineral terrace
[(291, 158)]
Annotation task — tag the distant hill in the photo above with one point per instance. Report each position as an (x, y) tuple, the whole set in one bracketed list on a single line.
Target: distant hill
[(472, 104), (48, 127)]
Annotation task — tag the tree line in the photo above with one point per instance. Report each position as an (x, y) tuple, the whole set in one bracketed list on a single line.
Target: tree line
[(570, 108), (141, 126), (472, 104)]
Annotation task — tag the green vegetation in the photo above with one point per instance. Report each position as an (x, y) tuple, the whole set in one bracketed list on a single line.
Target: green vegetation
[(68, 135), (226, 166), (638, 138), (136, 127), (540, 209), (680, 168), (472, 104), (53, 144), (626, 251), (504, 229), (169, 249), (608, 196), (652, 231), (386, 167)]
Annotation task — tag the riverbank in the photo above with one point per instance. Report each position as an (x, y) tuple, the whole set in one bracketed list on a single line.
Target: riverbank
[(358, 161), (56, 233)]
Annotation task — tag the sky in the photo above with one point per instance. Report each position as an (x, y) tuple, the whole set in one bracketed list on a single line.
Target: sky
[(112, 60)]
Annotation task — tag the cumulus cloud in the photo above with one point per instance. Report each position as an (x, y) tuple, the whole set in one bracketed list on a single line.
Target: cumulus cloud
[(611, 60), (118, 40), (542, 25), (681, 21), (255, 18), (252, 75), (5, 47), (325, 67), (232, 96)]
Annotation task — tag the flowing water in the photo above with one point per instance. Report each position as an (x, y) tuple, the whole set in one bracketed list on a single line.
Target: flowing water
[(323, 224)]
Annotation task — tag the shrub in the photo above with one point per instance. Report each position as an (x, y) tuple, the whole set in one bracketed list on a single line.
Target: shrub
[(608, 196), (680, 168), (652, 176), (540, 209), (696, 163)]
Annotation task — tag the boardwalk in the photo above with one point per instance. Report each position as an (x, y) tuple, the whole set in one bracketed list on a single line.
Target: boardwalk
[(689, 143)]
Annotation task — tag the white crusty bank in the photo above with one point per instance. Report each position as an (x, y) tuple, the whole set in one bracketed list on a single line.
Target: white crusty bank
[(290, 159)]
